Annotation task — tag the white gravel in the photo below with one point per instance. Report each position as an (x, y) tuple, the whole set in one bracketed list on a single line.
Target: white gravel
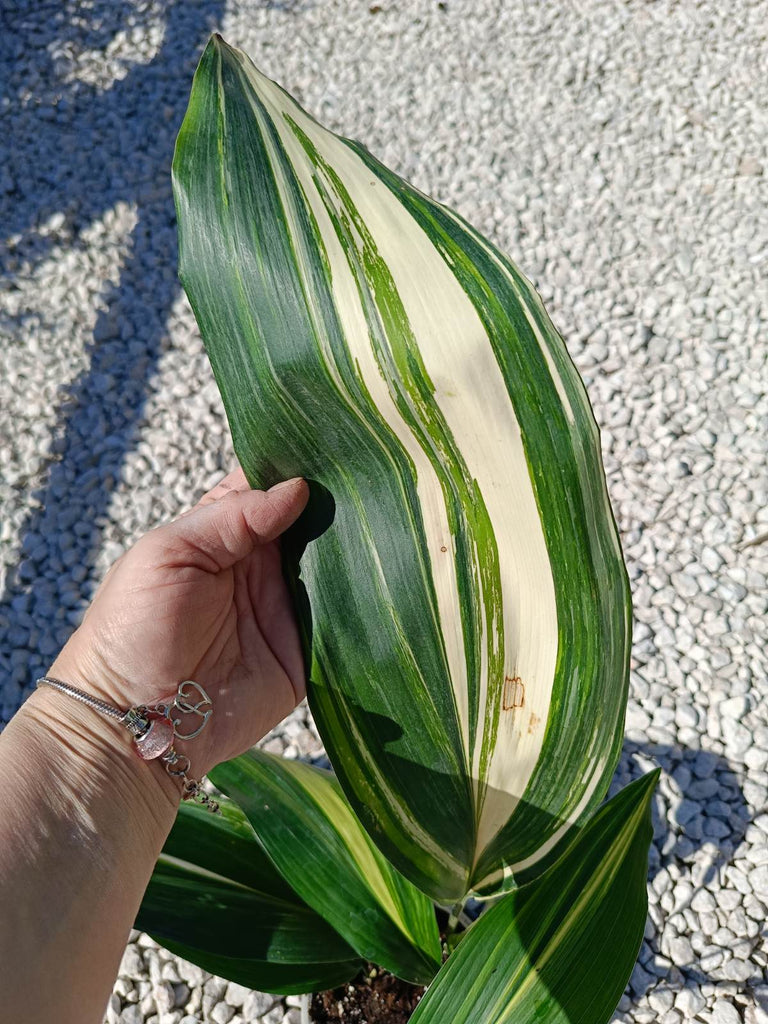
[(618, 151)]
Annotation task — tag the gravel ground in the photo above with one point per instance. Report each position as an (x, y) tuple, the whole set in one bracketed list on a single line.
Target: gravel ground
[(618, 151)]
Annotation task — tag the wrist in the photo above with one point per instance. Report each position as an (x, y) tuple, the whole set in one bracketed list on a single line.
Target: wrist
[(94, 758)]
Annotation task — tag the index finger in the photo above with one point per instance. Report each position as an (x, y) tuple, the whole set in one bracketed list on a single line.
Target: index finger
[(234, 481)]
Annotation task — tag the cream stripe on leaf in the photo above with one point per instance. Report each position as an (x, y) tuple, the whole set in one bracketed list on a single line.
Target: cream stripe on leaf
[(463, 602), (318, 845), (561, 949)]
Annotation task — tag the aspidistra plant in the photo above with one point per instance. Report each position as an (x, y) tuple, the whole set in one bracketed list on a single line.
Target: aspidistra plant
[(457, 576)]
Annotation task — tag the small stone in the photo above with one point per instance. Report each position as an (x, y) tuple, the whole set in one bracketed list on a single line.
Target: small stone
[(725, 1013), (703, 901), (236, 994), (750, 166), (685, 584), (687, 810), (645, 1016), (215, 988), (170, 971), (132, 964), (758, 878), (222, 1013), (147, 1003), (690, 1001), (273, 1016), (711, 559), (123, 987), (737, 737), (256, 1005), (737, 970), (681, 951), (661, 1000), (181, 993), (686, 716), (155, 963), (641, 980), (164, 997), (113, 1009), (734, 707), (194, 976), (711, 959), (715, 828), (131, 1015)]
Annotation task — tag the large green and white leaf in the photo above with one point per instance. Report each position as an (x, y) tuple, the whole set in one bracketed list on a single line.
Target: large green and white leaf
[(216, 899), (305, 824), (466, 613), (561, 949)]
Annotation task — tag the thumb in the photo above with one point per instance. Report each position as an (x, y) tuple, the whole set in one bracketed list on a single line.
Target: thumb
[(219, 534)]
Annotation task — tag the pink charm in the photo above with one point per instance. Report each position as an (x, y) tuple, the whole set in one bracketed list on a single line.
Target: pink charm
[(156, 741)]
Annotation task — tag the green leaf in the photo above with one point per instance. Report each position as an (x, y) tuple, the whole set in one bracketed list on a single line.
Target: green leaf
[(225, 845), (216, 899), (305, 824), (561, 949), (281, 979), (464, 608)]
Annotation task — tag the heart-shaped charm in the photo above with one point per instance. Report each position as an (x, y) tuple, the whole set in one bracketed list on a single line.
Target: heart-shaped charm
[(185, 702)]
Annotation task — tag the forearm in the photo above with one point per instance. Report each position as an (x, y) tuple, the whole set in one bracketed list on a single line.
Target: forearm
[(82, 820)]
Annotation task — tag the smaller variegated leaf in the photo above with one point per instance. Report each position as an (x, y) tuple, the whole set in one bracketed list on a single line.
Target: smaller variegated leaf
[(216, 899), (561, 949), (307, 827)]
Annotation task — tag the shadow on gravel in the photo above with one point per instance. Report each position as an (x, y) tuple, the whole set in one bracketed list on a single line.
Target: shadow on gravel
[(712, 811), (80, 150), (708, 813)]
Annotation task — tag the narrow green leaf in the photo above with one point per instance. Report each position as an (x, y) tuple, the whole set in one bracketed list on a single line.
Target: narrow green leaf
[(281, 979), (216, 899), (465, 613), (561, 949), (307, 827), (225, 845)]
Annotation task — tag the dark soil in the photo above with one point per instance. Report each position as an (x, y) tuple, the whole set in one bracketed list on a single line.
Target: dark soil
[(373, 997)]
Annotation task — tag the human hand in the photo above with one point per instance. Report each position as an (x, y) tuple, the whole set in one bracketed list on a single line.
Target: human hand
[(201, 598)]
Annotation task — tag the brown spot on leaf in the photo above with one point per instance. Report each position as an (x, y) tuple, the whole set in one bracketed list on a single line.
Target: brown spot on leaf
[(443, 548), (533, 722), (513, 695)]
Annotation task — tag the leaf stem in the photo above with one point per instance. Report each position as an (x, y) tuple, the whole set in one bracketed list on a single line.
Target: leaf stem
[(455, 916)]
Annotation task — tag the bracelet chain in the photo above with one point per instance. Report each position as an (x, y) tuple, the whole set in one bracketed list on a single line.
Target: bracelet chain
[(139, 720)]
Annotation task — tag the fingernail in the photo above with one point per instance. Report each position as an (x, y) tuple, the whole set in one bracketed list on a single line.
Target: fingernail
[(285, 483)]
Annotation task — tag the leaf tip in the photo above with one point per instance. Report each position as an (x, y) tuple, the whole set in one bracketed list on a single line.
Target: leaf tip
[(645, 787)]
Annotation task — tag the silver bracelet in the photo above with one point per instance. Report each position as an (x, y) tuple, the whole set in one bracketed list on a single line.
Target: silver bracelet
[(154, 728)]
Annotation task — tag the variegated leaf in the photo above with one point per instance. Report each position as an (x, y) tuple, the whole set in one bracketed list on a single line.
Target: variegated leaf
[(561, 949), (311, 834), (215, 898), (467, 610)]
